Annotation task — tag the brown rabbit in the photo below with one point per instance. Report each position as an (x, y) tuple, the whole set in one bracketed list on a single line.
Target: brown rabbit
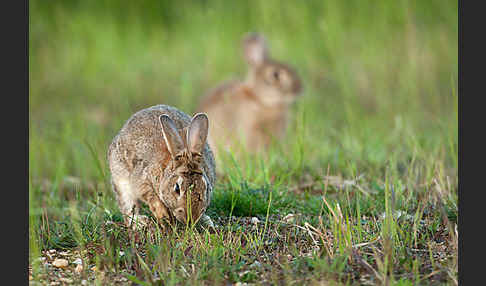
[(160, 157), (250, 113)]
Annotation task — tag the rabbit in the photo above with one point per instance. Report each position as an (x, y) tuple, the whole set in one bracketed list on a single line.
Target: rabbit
[(161, 157), (250, 113)]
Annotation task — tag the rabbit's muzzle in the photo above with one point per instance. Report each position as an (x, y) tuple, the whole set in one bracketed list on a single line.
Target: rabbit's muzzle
[(183, 216)]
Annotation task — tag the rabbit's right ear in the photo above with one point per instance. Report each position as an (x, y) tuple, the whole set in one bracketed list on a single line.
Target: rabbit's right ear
[(172, 139), (255, 49), (198, 133)]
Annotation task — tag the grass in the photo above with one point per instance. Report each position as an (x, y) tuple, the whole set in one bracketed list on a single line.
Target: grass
[(363, 190)]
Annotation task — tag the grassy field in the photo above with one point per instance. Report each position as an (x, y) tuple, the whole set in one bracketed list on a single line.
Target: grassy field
[(363, 191)]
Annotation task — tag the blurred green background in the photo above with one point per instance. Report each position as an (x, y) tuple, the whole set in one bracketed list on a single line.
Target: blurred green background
[(380, 78)]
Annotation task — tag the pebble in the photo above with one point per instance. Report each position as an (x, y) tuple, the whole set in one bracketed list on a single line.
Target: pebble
[(290, 218), (52, 251), (78, 268), (84, 282), (241, 274), (78, 261), (60, 263), (256, 264), (255, 220), (66, 280)]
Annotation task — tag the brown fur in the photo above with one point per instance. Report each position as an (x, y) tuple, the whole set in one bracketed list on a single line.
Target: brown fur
[(144, 169), (249, 114)]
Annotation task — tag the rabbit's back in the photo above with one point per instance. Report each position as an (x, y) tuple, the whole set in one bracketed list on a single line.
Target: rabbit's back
[(218, 95), (141, 139)]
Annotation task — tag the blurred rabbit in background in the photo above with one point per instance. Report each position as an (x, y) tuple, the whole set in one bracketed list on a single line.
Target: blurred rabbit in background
[(249, 114)]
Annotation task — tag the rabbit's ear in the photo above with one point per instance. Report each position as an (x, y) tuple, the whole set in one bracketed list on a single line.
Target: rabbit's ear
[(172, 139), (255, 49), (197, 133)]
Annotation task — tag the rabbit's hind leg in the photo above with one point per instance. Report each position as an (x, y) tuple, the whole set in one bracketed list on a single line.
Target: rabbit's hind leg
[(128, 203)]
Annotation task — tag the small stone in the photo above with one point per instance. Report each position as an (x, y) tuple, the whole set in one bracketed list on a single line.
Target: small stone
[(84, 282), (290, 218), (241, 274), (52, 251), (256, 264), (78, 261), (66, 280), (78, 269), (255, 220), (60, 263)]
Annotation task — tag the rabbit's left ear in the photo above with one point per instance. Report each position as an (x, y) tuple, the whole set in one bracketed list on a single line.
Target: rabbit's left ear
[(197, 133), (171, 136)]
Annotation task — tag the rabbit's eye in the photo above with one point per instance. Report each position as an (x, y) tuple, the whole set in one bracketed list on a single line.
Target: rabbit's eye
[(272, 75), (177, 189)]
